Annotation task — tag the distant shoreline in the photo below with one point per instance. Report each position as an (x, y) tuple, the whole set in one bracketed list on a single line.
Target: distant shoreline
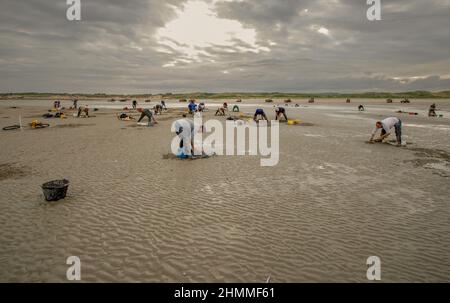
[(200, 95)]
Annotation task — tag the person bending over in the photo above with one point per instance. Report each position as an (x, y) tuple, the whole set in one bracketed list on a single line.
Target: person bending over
[(83, 109), (147, 113), (158, 109), (280, 111), (192, 107), (260, 115), (386, 126), (220, 111), (185, 130)]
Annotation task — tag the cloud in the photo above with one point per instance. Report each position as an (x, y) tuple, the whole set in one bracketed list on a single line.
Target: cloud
[(196, 28), (263, 45)]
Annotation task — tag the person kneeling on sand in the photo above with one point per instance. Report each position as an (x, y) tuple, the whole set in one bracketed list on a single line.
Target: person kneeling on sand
[(386, 125), (280, 111), (260, 114), (147, 113), (124, 117)]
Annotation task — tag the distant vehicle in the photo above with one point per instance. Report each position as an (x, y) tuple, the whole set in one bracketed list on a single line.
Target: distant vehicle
[(183, 100), (239, 101), (287, 101), (311, 100), (348, 101), (405, 101), (269, 100), (389, 101)]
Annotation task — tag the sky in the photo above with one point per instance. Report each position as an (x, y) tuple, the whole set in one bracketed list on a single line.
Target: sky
[(153, 46)]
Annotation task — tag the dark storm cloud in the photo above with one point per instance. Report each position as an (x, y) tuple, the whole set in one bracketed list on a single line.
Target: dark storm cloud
[(314, 46)]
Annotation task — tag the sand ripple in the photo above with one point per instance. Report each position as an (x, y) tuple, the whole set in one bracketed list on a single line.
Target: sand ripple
[(131, 215)]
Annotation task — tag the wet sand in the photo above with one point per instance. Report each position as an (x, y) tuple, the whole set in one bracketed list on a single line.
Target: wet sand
[(134, 215)]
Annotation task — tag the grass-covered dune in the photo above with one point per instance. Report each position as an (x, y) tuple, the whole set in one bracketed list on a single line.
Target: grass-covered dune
[(233, 95)]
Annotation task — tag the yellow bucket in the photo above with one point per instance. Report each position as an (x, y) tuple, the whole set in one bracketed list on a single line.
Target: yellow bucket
[(293, 122)]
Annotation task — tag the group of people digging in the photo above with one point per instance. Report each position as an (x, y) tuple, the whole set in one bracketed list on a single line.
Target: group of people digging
[(386, 126)]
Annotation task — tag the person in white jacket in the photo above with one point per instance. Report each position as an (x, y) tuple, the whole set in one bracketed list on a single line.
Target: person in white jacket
[(185, 129), (386, 125)]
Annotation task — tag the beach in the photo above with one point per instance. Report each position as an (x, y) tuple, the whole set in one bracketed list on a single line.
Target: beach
[(132, 214)]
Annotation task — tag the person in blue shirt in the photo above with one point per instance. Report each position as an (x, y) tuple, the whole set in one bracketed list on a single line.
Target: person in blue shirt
[(192, 107), (260, 114)]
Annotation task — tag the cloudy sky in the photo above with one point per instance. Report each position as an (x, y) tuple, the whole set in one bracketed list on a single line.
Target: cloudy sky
[(152, 46)]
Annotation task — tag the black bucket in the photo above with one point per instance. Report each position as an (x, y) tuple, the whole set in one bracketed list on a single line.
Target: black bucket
[(55, 190)]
